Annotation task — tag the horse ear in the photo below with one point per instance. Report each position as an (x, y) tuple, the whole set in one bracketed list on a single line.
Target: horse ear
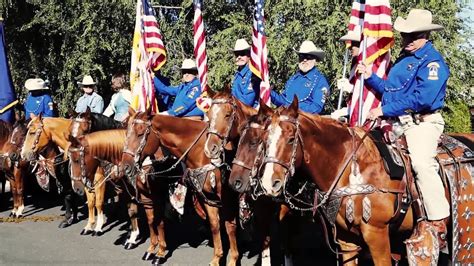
[(87, 113), (40, 116), (264, 109), (131, 111), (227, 88), (32, 116), (293, 108), (148, 110), (210, 93)]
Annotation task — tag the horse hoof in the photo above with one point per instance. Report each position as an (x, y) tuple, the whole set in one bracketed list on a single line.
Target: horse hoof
[(65, 223), (157, 261), (11, 214), (85, 232), (148, 256), (97, 233), (18, 216), (129, 246)]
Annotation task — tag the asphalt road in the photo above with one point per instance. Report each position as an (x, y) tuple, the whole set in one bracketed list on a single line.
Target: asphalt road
[(36, 239)]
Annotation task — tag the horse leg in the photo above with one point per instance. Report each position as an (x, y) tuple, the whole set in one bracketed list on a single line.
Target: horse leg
[(230, 203), (14, 198), (132, 213), (161, 237), (18, 176), (150, 217), (90, 206), (263, 215), (99, 204), (214, 221), (377, 239)]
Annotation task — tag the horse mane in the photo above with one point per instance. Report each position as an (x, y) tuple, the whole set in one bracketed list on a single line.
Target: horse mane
[(102, 122), (5, 130), (106, 144)]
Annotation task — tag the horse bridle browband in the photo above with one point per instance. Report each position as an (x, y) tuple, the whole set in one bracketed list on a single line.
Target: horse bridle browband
[(212, 130), (290, 166), (137, 154), (260, 151)]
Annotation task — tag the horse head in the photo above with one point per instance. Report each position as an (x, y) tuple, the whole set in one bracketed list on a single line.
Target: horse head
[(78, 163), (282, 149), (36, 139), (225, 116), (17, 138), (81, 124), (249, 151), (138, 144)]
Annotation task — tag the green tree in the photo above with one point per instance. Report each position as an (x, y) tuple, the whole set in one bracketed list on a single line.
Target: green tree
[(69, 38)]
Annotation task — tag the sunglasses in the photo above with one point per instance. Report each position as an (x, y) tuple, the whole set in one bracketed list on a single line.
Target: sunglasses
[(241, 53), (187, 71), (355, 44), (87, 86), (413, 35), (306, 57)]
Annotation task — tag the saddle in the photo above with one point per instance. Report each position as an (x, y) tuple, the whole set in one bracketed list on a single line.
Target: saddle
[(455, 156)]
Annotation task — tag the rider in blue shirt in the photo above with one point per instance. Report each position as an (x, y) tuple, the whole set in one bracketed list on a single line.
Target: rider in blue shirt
[(38, 99), (308, 84), (414, 92), (246, 86), (186, 93)]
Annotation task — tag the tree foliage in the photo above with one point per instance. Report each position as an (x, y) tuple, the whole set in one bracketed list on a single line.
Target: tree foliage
[(69, 38)]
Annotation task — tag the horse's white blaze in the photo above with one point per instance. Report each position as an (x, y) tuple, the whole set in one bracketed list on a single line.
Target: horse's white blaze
[(100, 222), (273, 136), (75, 129), (133, 236), (216, 109)]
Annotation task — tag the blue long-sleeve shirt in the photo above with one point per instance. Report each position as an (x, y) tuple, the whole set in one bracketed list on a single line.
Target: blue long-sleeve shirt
[(186, 95), (416, 83), (311, 88), (244, 89), (39, 104)]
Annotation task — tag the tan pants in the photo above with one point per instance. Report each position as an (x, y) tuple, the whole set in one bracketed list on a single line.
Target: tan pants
[(422, 143)]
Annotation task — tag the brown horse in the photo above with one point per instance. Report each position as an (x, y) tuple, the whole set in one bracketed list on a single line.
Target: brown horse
[(184, 139), (14, 170), (324, 149), (86, 154), (42, 133)]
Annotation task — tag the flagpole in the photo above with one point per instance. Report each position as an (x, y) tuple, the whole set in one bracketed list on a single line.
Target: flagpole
[(346, 56), (361, 89)]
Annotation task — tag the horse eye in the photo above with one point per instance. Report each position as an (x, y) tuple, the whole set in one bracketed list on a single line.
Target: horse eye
[(227, 115), (291, 140), (253, 143)]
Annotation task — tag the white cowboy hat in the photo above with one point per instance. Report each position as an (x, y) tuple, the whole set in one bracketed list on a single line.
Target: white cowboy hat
[(188, 64), (308, 47), (241, 45), (416, 21), (87, 80), (35, 85), (352, 35)]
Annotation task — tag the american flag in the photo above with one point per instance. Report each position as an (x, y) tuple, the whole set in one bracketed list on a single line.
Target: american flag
[(200, 53), (258, 54), (374, 17), (148, 54)]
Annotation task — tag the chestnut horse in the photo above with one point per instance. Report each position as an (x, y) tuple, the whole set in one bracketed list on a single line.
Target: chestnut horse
[(323, 149), (14, 169), (184, 139), (42, 133)]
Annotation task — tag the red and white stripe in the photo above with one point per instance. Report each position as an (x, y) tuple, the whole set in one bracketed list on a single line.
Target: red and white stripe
[(258, 55), (200, 45), (375, 18)]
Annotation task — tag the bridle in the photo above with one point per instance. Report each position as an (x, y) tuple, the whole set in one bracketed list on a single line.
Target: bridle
[(289, 166), (253, 169), (213, 131), (38, 132), (76, 122), (82, 164), (137, 153)]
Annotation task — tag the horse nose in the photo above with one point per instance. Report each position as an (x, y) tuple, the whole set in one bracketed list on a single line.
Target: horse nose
[(276, 186)]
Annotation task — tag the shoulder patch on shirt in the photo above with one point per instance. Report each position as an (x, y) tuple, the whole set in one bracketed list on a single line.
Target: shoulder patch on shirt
[(433, 71), (193, 92)]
